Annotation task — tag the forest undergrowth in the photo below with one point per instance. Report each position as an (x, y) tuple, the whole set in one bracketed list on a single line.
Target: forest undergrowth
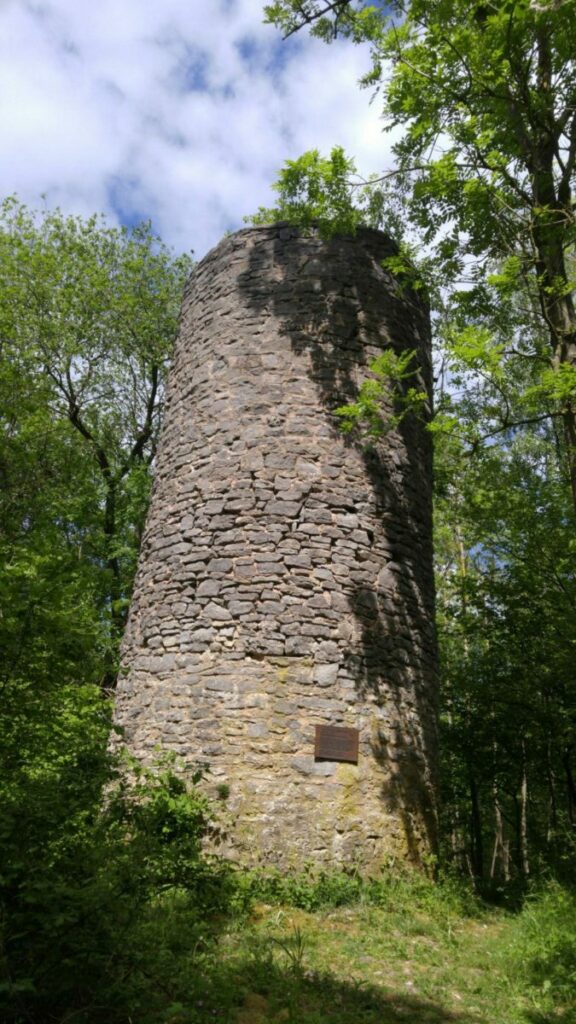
[(405, 950), (112, 913)]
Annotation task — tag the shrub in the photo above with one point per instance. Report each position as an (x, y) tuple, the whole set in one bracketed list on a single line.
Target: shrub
[(396, 886), (543, 948), (88, 860)]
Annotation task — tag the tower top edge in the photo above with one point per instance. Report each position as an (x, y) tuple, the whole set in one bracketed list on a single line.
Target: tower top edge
[(283, 232)]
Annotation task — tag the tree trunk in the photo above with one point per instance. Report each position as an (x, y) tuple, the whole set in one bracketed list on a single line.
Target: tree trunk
[(476, 841), (552, 830), (523, 835), (553, 217), (500, 851), (570, 785)]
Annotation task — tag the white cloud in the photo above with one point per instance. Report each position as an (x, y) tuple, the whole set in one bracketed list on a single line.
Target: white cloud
[(180, 111)]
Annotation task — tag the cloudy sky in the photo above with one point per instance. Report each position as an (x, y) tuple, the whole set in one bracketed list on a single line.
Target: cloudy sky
[(180, 111)]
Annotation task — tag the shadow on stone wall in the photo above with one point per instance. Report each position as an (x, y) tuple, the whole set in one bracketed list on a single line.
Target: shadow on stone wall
[(335, 309)]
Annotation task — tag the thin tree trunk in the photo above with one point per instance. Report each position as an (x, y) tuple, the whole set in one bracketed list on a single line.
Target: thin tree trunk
[(476, 857), (476, 841), (553, 218), (552, 830), (570, 785), (524, 861), (500, 847)]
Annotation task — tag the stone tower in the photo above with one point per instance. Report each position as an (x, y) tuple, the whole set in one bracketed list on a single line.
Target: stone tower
[(282, 623)]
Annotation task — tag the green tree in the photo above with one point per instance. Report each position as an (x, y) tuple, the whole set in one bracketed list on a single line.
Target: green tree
[(486, 94), (88, 315), (506, 595), (316, 191), (89, 865)]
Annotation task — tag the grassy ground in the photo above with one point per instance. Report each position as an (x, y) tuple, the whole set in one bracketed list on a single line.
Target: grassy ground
[(371, 965), (425, 960)]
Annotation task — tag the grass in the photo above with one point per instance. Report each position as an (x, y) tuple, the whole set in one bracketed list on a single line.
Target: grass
[(370, 964), (404, 951), (331, 949)]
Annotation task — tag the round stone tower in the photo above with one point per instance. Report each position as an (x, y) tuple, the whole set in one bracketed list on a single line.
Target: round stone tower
[(282, 626)]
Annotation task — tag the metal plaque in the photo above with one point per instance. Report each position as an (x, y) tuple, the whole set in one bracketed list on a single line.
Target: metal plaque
[(336, 743)]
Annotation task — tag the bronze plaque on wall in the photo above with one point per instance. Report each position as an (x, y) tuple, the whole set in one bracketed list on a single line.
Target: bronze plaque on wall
[(336, 743)]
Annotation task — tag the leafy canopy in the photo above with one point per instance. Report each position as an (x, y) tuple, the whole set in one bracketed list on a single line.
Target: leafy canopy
[(322, 192), (88, 314), (485, 95)]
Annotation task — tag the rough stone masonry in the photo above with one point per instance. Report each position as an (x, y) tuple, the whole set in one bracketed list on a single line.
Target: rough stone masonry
[(285, 580)]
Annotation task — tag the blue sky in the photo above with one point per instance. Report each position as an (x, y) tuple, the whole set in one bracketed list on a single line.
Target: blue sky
[(180, 111)]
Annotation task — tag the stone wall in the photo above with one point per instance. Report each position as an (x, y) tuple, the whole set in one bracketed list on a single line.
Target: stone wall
[(285, 579)]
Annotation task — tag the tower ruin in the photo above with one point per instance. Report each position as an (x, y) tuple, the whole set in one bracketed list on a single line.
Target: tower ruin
[(281, 629)]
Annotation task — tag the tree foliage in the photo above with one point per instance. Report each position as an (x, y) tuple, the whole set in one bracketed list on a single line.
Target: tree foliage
[(315, 191), (87, 318), (90, 866), (481, 189), (506, 598), (88, 314), (486, 96)]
